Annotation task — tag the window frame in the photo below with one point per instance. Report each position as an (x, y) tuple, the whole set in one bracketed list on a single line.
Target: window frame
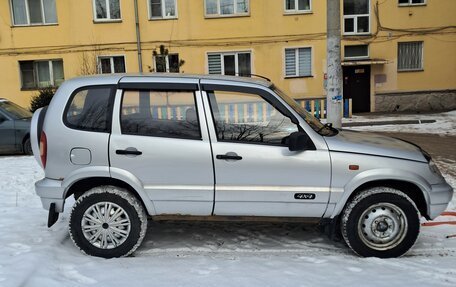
[(109, 114), (111, 57), (27, 13), (285, 76), (163, 17), (411, 4), (166, 62), (355, 22), (35, 74), (236, 60), (357, 57), (195, 101), (108, 13), (219, 15), (422, 58), (296, 10)]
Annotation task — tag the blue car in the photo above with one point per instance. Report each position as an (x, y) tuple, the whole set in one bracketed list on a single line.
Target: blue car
[(14, 128)]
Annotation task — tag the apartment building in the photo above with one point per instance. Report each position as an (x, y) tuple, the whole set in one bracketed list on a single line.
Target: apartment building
[(396, 54)]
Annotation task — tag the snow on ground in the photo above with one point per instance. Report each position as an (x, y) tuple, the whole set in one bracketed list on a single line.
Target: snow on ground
[(445, 123), (200, 254)]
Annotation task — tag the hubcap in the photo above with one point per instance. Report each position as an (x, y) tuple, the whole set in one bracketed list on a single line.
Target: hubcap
[(382, 226), (105, 225)]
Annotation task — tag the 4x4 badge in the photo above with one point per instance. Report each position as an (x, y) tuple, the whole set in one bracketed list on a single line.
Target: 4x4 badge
[(307, 196)]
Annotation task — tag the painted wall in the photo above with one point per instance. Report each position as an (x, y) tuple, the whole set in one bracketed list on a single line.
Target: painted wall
[(266, 32)]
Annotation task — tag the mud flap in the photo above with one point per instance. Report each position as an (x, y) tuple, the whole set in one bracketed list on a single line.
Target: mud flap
[(331, 228), (53, 216)]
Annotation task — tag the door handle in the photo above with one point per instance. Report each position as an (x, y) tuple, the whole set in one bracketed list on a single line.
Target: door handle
[(229, 156), (128, 151)]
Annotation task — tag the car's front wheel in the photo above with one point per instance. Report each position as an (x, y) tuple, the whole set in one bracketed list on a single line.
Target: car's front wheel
[(108, 222), (380, 222)]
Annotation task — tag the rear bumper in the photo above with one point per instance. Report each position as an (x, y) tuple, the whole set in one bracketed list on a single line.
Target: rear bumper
[(440, 195), (51, 191)]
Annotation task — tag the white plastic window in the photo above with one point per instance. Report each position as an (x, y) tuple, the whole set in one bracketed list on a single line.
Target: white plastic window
[(226, 7), (297, 6), (111, 64), (33, 12), (356, 17), (162, 9), (106, 10), (298, 62)]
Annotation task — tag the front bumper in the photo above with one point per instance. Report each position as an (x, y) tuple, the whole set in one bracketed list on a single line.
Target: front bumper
[(51, 191), (439, 197)]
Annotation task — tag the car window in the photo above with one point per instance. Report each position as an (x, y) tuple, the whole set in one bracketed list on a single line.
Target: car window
[(14, 110), (90, 109), (248, 118), (2, 118), (160, 113)]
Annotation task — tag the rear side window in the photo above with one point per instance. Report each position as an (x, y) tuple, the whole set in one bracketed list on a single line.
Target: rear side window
[(170, 114), (90, 109)]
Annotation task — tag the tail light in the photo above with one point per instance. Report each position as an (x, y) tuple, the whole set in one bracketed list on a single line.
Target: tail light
[(43, 149)]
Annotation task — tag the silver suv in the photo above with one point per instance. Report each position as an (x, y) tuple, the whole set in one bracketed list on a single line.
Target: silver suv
[(129, 147)]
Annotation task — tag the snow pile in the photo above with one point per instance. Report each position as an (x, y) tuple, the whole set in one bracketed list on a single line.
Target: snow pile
[(445, 123), (200, 254)]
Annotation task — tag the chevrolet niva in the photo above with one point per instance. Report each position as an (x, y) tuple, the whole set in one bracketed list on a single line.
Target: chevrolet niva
[(165, 146)]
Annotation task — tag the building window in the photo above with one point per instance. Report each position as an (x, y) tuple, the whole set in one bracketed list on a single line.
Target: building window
[(41, 74), (356, 17), (298, 6), (33, 12), (410, 56), (162, 9), (226, 7), (298, 62), (356, 51), (167, 63), (111, 64), (106, 10), (231, 63), (411, 2)]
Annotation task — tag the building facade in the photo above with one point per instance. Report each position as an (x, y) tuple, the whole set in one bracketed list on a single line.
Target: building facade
[(396, 54)]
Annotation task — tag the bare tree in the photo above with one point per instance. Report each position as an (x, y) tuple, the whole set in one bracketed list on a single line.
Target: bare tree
[(89, 60)]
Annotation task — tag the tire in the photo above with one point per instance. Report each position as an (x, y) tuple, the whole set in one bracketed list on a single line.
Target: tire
[(380, 222), (117, 236), (28, 147)]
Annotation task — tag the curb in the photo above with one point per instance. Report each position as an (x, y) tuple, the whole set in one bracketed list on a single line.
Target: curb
[(382, 123)]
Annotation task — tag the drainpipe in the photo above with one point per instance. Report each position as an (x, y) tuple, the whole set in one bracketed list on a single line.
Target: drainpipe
[(138, 38)]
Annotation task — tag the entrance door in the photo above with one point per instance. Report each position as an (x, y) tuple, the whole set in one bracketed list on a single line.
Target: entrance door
[(256, 173), (357, 87)]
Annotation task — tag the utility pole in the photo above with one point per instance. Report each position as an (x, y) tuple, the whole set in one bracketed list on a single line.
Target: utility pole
[(334, 96), (138, 37)]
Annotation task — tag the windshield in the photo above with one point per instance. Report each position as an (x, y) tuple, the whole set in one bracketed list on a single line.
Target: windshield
[(14, 110), (312, 121)]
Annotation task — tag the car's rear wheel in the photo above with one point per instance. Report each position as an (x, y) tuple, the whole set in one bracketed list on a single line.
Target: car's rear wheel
[(380, 222), (108, 222), (27, 147)]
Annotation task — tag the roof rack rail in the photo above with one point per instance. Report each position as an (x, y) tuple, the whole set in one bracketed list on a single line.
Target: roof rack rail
[(255, 75)]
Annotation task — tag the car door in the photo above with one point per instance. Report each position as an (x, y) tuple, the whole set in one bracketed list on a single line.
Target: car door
[(7, 134), (160, 139), (256, 173)]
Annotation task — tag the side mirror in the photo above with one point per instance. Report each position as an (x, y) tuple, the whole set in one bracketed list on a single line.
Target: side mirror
[(298, 141)]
